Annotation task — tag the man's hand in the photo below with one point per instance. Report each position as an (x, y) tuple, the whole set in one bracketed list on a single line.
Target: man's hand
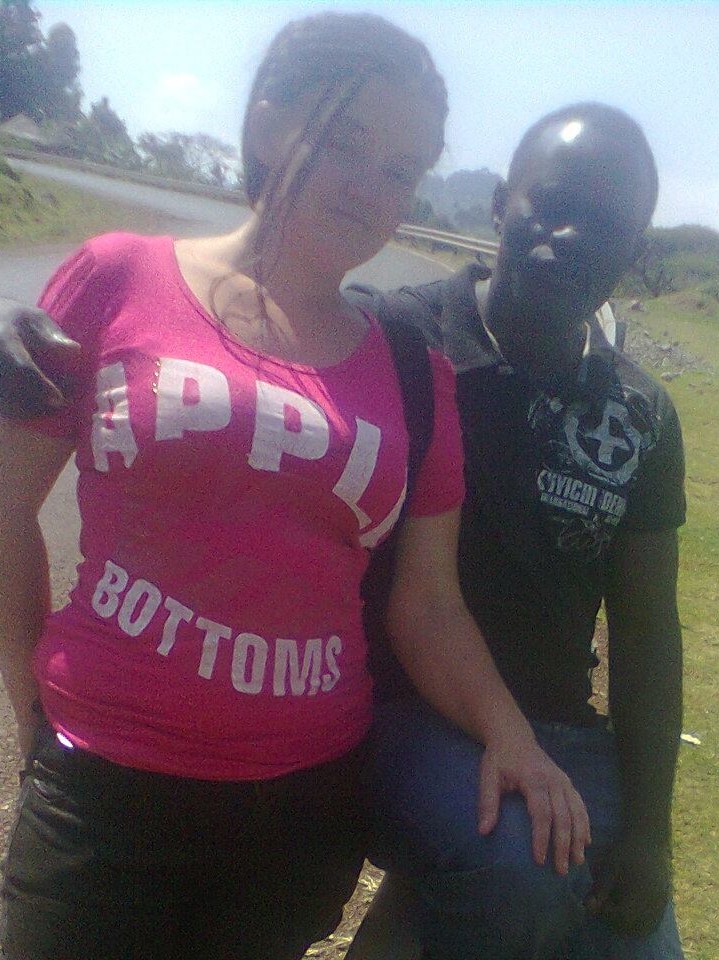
[(465, 339), (38, 363), (556, 810), (632, 886)]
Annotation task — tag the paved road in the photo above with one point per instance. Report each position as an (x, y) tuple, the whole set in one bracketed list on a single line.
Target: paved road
[(22, 274)]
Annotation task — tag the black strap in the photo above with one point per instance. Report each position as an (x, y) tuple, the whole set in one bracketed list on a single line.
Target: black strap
[(411, 360), (414, 372)]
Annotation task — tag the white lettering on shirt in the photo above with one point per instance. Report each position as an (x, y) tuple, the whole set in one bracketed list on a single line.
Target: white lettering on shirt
[(194, 397), (190, 397), (359, 469), (139, 607), (106, 598), (253, 649), (281, 667), (111, 430), (577, 496), (273, 436), (287, 662), (178, 613), (214, 632), (373, 536), (332, 651)]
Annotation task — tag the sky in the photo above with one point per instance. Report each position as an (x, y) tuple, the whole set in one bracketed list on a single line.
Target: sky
[(187, 65)]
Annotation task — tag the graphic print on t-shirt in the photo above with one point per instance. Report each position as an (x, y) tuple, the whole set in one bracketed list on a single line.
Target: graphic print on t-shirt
[(227, 499), (590, 456), (194, 397)]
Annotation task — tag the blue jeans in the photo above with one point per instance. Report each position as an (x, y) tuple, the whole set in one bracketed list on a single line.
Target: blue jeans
[(484, 898)]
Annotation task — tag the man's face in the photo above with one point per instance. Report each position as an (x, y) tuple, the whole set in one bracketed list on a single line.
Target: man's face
[(572, 222)]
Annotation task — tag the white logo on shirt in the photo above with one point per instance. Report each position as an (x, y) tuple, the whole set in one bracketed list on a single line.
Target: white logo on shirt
[(194, 397), (282, 666)]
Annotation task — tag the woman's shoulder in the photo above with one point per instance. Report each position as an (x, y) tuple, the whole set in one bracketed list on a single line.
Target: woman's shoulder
[(109, 251)]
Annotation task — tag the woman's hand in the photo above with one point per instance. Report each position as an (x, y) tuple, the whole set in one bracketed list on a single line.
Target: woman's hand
[(559, 817), (38, 362)]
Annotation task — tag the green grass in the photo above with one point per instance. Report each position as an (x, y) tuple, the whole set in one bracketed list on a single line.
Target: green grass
[(33, 210), (692, 319)]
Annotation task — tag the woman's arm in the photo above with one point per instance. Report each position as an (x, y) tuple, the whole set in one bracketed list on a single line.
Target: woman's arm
[(443, 652), (29, 465)]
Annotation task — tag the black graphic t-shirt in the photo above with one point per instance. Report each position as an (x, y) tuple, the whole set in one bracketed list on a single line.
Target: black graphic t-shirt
[(553, 479), (555, 476)]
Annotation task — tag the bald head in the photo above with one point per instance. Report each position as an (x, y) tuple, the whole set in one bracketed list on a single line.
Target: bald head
[(580, 194), (605, 147)]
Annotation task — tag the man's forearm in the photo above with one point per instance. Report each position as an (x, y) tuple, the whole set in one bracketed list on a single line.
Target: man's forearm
[(645, 677), (646, 710)]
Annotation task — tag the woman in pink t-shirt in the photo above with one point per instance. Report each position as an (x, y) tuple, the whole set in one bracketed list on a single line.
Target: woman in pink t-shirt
[(238, 430)]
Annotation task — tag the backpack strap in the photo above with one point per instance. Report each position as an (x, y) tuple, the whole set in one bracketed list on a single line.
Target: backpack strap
[(411, 360), (414, 372)]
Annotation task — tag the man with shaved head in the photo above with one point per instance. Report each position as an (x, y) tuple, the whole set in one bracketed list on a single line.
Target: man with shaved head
[(574, 473)]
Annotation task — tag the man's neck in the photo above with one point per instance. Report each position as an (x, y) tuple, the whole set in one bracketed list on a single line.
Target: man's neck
[(539, 346)]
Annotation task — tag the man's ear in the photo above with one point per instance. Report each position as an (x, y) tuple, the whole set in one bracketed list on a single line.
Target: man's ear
[(500, 199)]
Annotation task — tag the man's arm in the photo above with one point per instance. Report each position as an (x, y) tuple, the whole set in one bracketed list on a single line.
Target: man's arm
[(445, 311), (443, 652), (37, 362), (633, 884)]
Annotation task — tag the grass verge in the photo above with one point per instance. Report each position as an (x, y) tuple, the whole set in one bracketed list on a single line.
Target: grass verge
[(691, 318), (33, 210)]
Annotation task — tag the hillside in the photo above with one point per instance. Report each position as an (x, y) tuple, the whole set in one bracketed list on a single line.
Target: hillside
[(464, 198), (33, 210)]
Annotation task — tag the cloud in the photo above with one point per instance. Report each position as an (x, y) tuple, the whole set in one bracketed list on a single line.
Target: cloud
[(178, 101)]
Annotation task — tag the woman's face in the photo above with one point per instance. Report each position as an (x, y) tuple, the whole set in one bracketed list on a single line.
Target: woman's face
[(361, 184)]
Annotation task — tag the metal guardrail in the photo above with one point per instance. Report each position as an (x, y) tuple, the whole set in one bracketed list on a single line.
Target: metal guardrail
[(613, 329), (123, 173), (487, 248), (409, 231)]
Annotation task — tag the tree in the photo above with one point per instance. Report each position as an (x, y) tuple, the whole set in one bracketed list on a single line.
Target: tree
[(20, 41), (465, 196), (164, 155), (59, 66), (475, 219), (653, 266), (675, 258), (197, 157), (38, 77), (422, 212), (102, 136)]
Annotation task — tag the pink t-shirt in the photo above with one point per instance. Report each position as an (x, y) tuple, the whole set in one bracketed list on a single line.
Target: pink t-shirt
[(227, 500)]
